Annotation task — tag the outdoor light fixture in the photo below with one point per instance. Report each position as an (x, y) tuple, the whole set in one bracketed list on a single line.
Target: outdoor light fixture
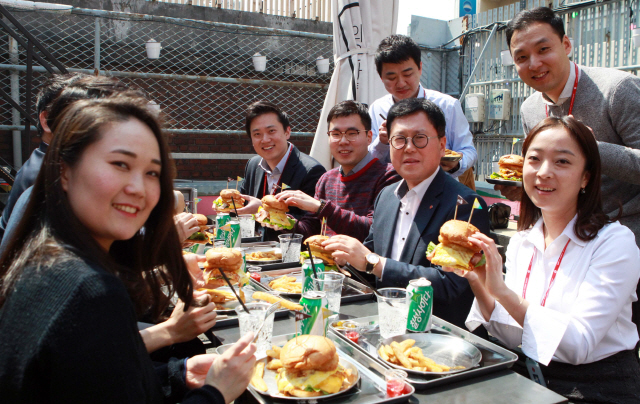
[(259, 62), (506, 58), (322, 64), (153, 49)]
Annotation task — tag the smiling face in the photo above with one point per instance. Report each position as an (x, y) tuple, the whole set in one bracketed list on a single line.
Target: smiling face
[(402, 79), (115, 185), (269, 138), (413, 164), (541, 58), (349, 154), (554, 172)]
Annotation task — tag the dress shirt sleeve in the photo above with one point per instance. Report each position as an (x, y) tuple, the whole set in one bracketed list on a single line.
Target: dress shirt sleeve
[(459, 138), (622, 161), (608, 286)]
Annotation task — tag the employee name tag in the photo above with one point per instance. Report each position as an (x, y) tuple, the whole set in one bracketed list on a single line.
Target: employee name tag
[(535, 373)]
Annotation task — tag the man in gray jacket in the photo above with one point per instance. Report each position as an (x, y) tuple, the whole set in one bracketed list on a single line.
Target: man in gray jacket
[(607, 100)]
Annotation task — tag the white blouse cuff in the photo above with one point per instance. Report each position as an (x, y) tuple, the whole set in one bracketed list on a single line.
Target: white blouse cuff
[(542, 332)]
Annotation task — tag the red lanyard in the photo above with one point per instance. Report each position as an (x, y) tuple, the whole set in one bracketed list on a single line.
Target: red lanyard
[(573, 95), (273, 189), (553, 277)]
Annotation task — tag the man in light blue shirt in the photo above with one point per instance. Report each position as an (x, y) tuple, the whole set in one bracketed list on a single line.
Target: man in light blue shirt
[(399, 66)]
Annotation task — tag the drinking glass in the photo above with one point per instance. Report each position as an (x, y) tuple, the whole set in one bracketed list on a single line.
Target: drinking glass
[(251, 322), (247, 225), (331, 284), (392, 312), (290, 246)]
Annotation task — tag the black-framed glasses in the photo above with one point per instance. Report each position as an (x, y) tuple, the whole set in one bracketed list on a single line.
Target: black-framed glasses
[(351, 134), (420, 141)]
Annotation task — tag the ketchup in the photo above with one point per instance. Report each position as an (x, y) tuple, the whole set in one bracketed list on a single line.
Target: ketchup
[(255, 275), (353, 336), (395, 388)]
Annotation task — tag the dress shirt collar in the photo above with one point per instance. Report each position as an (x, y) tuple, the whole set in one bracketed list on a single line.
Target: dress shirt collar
[(280, 166), (568, 87), (402, 189), (537, 234), (366, 160)]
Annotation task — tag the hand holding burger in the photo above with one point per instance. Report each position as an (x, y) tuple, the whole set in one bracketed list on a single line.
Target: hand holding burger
[(227, 199), (455, 250), (274, 213)]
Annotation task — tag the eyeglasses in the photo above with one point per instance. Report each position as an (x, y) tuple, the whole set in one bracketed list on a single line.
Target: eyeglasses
[(420, 141), (351, 134)]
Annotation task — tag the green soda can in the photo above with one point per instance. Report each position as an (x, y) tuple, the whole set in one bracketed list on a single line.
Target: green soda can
[(232, 239), (312, 304), (307, 270), (420, 302), (221, 220)]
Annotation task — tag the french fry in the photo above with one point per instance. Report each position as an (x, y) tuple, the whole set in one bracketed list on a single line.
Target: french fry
[(256, 380), (383, 353), (275, 352), (272, 299), (274, 364), (406, 344), (397, 350), (389, 350)]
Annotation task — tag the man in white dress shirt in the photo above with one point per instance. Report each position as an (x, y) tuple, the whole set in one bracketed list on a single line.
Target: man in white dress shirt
[(408, 215), (399, 66)]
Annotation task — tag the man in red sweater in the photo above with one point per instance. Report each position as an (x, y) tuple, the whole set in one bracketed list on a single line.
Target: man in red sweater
[(345, 195)]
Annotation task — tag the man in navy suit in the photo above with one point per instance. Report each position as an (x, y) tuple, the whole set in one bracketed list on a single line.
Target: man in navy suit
[(408, 215)]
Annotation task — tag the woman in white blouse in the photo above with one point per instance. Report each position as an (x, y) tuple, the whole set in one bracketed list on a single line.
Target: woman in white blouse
[(571, 273)]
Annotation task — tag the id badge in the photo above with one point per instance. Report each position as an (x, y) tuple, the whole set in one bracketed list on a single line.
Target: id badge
[(535, 373)]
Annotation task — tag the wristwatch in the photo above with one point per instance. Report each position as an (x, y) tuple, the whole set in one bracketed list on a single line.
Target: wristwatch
[(322, 204), (372, 261)]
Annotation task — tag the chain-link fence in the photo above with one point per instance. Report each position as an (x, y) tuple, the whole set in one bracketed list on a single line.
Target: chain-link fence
[(204, 78)]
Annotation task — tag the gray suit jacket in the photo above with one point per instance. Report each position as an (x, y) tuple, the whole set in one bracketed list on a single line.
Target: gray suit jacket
[(452, 294)]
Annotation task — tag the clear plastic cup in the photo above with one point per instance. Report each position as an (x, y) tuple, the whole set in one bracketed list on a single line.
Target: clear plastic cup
[(331, 284), (252, 321), (247, 225), (290, 246), (395, 379), (392, 312)]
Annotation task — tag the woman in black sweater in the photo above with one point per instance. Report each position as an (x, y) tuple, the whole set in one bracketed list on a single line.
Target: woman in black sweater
[(79, 271)]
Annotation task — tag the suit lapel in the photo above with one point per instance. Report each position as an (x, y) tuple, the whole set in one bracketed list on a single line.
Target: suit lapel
[(259, 181), (385, 221), (428, 206)]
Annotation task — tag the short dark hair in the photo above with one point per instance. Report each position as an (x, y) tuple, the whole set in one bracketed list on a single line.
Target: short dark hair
[(347, 108), (525, 18), (591, 218), (49, 91), (410, 106), (397, 49), (264, 107)]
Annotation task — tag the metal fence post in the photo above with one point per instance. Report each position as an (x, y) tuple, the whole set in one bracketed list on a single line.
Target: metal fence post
[(96, 55), (15, 95)]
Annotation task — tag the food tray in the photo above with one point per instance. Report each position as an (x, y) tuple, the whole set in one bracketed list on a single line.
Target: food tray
[(232, 317), (494, 357), (371, 389), (352, 291), (452, 159), (497, 181)]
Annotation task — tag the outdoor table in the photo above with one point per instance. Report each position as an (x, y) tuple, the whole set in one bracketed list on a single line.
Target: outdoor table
[(503, 386)]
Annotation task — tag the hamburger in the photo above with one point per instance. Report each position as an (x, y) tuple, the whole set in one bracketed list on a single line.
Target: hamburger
[(455, 250), (510, 168), (224, 259), (200, 237), (274, 212), (310, 367), (318, 251), (227, 199)]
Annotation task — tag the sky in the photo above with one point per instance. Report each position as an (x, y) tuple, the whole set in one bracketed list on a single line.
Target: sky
[(439, 9)]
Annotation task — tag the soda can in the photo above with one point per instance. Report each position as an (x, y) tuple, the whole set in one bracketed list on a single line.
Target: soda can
[(221, 220), (232, 239), (307, 270), (420, 302), (312, 304)]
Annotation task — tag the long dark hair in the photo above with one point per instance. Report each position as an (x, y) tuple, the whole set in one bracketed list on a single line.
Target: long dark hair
[(50, 231), (591, 218)]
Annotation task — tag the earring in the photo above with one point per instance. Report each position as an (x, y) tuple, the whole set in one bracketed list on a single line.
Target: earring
[(582, 191)]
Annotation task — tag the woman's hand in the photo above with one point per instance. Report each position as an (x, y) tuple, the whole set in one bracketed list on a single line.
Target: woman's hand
[(187, 325), (197, 369), (232, 371), (186, 224), (493, 280)]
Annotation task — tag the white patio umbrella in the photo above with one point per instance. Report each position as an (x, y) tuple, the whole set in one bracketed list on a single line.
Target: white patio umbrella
[(358, 28)]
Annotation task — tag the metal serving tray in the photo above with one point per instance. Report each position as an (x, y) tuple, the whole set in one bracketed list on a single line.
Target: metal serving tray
[(352, 291), (494, 357), (232, 317), (371, 389)]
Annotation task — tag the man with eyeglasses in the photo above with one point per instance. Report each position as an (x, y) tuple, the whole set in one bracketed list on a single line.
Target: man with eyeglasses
[(408, 216), (344, 196), (399, 66)]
